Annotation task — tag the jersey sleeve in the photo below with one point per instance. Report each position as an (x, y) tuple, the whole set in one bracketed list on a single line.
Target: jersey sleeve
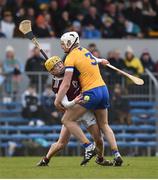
[(69, 63)]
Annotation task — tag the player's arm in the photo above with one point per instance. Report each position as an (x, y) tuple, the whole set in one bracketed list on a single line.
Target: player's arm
[(69, 68), (102, 61), (68, 104), (63, 89)]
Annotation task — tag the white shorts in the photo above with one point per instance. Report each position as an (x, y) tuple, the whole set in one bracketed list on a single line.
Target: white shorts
[(88, 119)]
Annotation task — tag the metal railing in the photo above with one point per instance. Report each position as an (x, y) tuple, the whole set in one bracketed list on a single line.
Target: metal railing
[(13, 87)]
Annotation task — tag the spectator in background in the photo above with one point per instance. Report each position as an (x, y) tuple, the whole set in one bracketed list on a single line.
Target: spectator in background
[(36, 64), (148, 14), (147, 61), (20, 15), (102, 68), (51, 115), (64, 23), (31, 108), (133, 13), (132, 29), (117, 61), (12, 69), (85, 7), (92, 23), (132, 64), (7, 24), (48, 21), (111, 10), (76, 26), (2, 6), (119, 111), (92, 47), (31, 15), (2, 35), (41, 28), (79, 19), (55, 13), (108, 27), (110, 54), (120, 29), (156, 69)]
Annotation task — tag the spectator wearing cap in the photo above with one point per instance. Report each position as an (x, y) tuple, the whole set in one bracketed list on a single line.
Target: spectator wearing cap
[(7, 24), (147, 61), (133, 64), (12, 69)]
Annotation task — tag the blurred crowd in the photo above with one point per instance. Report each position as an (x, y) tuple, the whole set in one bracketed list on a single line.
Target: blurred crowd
[(90, 18)]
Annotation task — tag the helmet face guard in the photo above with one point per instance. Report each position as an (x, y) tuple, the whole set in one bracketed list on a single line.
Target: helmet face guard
[(70, 39), (51, 62)]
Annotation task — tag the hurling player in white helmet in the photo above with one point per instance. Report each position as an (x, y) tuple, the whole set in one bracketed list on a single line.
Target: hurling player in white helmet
[(70, 39), (80, 60)]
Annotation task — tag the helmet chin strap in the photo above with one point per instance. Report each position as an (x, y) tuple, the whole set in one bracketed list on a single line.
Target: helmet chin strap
[(72, 45)]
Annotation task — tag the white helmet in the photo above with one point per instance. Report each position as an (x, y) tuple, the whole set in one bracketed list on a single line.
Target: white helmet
[(70, 39)]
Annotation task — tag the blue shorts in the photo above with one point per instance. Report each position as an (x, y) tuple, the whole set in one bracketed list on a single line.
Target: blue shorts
[(99, 98)]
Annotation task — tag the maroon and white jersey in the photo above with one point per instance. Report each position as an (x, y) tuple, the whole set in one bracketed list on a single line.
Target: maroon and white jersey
[(74, 89)]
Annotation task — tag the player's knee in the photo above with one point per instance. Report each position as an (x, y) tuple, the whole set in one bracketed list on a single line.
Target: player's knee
[(65, 121)]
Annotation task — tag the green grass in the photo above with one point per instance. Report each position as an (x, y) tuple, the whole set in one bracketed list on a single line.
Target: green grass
[(68, 167)]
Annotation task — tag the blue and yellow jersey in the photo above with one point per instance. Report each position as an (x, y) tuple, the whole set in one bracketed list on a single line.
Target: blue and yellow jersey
[(84, 62)]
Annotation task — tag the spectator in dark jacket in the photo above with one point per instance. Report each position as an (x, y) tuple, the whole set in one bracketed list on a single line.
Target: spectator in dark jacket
[(147, 61), (118, 62), (36, 64), (31, 108), (119, 111)]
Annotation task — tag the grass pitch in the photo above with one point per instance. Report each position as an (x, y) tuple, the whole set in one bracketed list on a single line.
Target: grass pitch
[(68, 167)]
